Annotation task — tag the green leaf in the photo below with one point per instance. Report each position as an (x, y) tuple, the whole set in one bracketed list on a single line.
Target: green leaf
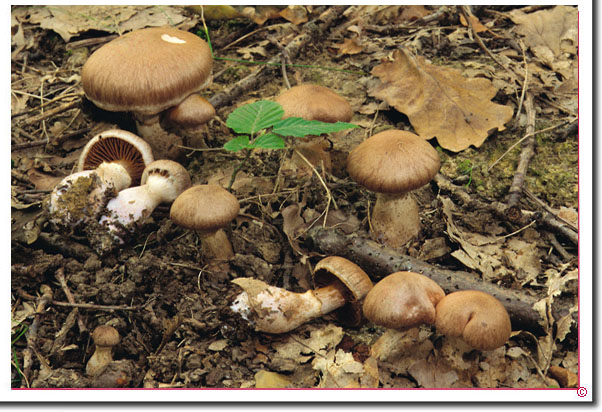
[(298, 127), (254, 117), (238, 143), (269, 141)]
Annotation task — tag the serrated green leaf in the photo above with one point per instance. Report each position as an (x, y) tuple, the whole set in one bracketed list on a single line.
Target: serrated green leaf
[(238, 143), (269, 141), (254, 117), (298, 127)]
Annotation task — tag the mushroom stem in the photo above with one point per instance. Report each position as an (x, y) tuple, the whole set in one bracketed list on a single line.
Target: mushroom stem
[(216, 246), (165, 145), (276, 310), (115, 174), (395, 218), (100, 359)]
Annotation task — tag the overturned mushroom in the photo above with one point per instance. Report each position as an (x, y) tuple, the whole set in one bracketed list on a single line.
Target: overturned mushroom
[(162, 182), (110, 162), (275, 310), (146, 72)]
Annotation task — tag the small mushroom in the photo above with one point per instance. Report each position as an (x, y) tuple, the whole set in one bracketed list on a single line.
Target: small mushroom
[(162, 182), (477, 317), (314, 102), (105, 338), (207, 209), (403, 300), (146, 72), (109, 163), (392, 164), (191, 117), (275, 310)]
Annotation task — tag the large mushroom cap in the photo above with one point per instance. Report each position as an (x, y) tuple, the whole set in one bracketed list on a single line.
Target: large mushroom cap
[(393, 161), (478, 317), (313, 102), (116, 145), (147, 70), (205, 208), (403, 300)]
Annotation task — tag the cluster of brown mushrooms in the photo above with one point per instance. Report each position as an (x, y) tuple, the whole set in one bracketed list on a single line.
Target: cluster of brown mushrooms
[(156, 74)]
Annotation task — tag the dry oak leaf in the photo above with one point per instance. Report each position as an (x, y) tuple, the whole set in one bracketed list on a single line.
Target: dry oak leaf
[(440, 102)]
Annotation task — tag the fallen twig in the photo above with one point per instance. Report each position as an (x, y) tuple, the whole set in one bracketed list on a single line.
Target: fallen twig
[(60, 276), (32, 333)]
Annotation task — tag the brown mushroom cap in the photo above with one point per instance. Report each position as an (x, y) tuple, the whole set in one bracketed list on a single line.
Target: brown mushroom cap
[(393, 161), (193, 112), (147, 70), (205, 208), (355, 280), (356, 285), (478, 317), (120, 146), (403, 300), (105, 335), (313, 102)]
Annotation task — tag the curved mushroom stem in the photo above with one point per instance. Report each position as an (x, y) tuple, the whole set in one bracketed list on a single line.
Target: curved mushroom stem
[(216, 246), (276, 310), (395, 218), (165, 145), (101, 357)]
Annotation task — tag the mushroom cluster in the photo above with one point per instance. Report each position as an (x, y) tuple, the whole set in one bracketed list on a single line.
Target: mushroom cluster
[(147, 72), (110, 162)]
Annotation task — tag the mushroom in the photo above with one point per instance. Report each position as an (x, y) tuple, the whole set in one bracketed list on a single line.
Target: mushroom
[(191, 117), (314, 102), (105, 337), (403, 300), (207, 209), (162, 182), (393, 163), (477, 317), (127, 153), (110, 162), (270, 309), (146, 72)]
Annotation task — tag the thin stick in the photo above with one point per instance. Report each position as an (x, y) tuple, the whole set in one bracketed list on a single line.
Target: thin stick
[(328, 194), (32, 333), (60, 275), (91, 306)]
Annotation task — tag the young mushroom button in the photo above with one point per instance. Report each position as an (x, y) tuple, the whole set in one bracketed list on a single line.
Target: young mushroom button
[(207, 209), (105, 338), (275, 310), (477, 317), (146, 72), (393, 163)]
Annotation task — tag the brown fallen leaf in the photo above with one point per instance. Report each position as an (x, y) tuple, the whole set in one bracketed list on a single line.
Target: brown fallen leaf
[(261, 14), (349, 46), (295, 14), (440, 102), (477, 26)]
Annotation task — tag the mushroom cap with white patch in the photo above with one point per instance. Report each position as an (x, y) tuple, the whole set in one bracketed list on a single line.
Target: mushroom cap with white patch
[(147, 71)]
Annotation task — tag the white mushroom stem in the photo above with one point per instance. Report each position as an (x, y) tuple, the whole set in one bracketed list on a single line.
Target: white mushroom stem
[(216, 246), (115, 174), (275, 310), (101, 357), (395, 218)]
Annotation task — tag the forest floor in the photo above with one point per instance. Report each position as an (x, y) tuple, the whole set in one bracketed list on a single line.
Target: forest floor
[(174, 317)]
